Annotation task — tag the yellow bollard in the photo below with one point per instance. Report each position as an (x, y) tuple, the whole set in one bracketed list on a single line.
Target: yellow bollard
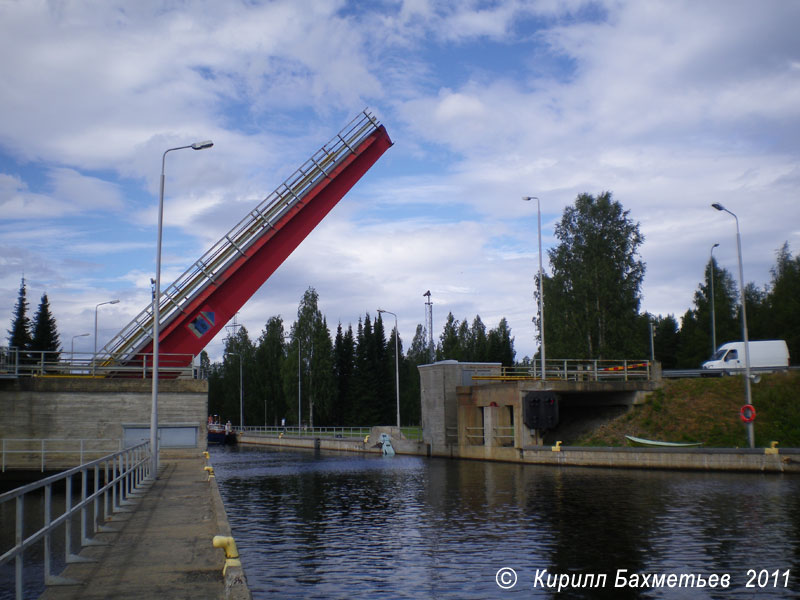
[(206, 454), (366, 439), (228, 544), (773, 448), (210, 471), (557, 447)]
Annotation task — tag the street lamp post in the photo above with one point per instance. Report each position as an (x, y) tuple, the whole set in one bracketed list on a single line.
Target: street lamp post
[(713, 317), (396, 362), (299, 387), (156, 305), (541, 288), (241, 389), (94, 359), (72, 347), (748, 393), (299, 380)]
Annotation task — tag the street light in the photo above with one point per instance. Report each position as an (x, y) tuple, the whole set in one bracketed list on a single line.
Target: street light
[(72, 349), (299, 386), (713, 318), (748, 393), (241, 390), (94, 359), (156, 307), (396, 362), (541, 289)]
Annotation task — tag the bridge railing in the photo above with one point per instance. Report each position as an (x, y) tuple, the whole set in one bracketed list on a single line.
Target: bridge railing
[(576, 370), (52, 453), (109, 480), (9, 361), (37, 363), (410, 433)]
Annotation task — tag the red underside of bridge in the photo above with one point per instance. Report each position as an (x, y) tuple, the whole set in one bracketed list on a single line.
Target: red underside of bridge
[(228, 293)]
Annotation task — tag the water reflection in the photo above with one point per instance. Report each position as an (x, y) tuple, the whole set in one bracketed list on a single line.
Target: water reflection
[(318, 525)]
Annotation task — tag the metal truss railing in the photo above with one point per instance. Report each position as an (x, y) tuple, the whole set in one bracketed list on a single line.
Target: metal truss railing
[(264, 217)]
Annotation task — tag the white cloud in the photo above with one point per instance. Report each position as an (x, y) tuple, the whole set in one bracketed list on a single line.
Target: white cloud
[(670, 105)]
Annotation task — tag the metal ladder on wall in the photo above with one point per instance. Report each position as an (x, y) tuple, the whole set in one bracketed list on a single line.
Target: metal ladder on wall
[(137, 334)]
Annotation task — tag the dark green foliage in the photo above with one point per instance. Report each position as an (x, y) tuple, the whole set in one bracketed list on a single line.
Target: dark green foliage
[(463, 343), (665, 340), (347, 381), (20, 332), (312, 384), (344, 353), (239, 367), (270, 356), (449, 347), (45, 332), (783, 302), (696, 329), (772, 313), (205, 365), (501, 344), (593, 294)]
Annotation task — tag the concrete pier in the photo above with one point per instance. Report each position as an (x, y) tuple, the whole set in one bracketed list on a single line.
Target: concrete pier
[(163, 547), (758, 460)]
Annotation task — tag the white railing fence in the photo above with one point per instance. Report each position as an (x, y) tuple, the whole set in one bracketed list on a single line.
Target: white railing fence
[(107, 485)]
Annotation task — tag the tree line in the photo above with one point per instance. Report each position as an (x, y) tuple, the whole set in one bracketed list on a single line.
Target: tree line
[(592, 297), (39, 334), (348, 379), (773, 312)]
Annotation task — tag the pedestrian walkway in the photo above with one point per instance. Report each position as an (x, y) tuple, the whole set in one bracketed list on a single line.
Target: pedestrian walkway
[(163, 546)]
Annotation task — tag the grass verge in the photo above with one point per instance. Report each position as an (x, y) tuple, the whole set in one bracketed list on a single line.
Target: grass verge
[(707, 410)]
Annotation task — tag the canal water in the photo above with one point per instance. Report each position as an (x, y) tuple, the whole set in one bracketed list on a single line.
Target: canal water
[(336, 525)]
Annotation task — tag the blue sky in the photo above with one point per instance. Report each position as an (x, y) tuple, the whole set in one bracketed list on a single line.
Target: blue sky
[(670, 105)]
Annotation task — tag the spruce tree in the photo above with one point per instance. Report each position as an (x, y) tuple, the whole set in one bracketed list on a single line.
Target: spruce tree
[(784, 301), (344, 352), (270, 356), (20, 332), (449, 348), (45, 332), (501, 344)]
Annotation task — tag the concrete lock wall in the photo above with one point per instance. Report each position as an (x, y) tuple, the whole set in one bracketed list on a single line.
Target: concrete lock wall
[(104, 409), (439, 397)]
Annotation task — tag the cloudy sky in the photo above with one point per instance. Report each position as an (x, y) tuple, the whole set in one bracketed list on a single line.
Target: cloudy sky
[(670, 105)]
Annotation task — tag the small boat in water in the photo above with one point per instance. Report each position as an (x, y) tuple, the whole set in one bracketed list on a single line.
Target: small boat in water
[(636, 441), (221, 434)]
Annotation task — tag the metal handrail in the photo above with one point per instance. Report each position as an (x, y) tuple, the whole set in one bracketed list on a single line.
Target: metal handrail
[(509, 428), (38, 363), (124, 472), (574, 369), (411, 433), (474, 436), (134, 336), (9, 361), (507, 438), (41, 448)]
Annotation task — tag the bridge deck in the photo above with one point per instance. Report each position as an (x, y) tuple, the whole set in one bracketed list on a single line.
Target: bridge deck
[(163, 546)]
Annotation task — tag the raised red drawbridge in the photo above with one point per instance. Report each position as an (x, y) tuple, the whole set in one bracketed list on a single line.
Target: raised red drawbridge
[(202, 300)]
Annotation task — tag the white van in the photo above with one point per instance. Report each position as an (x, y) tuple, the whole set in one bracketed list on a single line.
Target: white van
[(765, 354)]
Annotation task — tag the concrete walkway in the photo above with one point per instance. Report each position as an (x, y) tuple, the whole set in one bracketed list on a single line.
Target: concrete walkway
[(163, 547)]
